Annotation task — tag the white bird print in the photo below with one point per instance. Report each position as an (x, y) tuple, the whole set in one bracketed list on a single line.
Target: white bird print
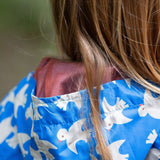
[(101, 87), (74, 135), (114, 113), (18, 138), (128, 81), (29, 76), (152, 137), (108, 123), (6, 129), (22, 139), (64, 100), (114, 149), (43, 146), (36, 104), (35, 154), (20, 99), (13, 141), (9, 98), (114, 81), (29, 112), (151, 106)]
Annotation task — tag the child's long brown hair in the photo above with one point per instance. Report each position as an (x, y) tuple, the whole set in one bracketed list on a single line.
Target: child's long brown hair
[(124, 33)]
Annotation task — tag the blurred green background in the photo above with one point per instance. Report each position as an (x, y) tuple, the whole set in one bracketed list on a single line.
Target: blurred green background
[(26, 36)]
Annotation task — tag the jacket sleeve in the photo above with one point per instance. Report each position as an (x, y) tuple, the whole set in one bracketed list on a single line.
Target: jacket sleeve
[(12, 115)]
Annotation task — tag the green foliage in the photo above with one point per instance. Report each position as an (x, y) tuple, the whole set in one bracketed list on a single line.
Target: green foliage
[(25, 16)]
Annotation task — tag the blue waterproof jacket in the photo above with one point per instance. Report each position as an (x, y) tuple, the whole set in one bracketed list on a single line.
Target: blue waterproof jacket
[(60, 127)]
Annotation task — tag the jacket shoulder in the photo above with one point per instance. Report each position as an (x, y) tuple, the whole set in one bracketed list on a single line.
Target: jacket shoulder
[(15, 128)]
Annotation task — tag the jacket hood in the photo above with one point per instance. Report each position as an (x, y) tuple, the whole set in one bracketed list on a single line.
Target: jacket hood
[(55, 77)]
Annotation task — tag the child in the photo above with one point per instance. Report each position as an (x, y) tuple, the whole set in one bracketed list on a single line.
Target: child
[(62, 110)]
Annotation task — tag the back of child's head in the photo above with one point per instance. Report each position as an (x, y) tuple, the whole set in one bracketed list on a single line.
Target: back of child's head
[(122, 33)]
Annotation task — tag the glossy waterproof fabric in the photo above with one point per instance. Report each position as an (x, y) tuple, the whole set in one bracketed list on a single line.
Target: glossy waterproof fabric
[(54, 127)]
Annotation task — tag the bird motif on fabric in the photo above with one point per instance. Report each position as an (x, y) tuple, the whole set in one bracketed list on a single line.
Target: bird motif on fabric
[(29, 112), (73, 135), (36, 154), (101, 87), (13, 141), (6, 129), (128, 82), (114, 81), (152, 137), (22, 139), (114, 113), (151, 106), (9, 98), (20, 99), (18, 139), (114, 149), (29, 76), (65, 99), (43, 146), (36, 104)]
